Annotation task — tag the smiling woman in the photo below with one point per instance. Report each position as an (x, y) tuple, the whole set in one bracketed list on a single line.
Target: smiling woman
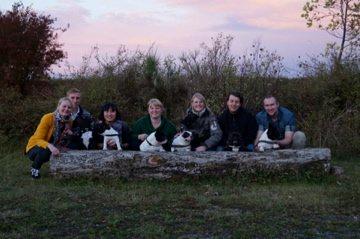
[(203, 125), (154, 121), (109, 117), (50, 136)]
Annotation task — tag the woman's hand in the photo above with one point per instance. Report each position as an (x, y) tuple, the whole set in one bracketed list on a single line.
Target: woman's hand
[(68, 132), (55, 151), (142, 137), (111, 143)]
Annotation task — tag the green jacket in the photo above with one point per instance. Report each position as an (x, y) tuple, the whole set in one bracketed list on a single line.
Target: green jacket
[(144, 126)]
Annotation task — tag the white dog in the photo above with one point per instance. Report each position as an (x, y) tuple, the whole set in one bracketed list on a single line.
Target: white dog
[(181, 143), (111, 134), (86, 136), (266, 143), (154, 142)]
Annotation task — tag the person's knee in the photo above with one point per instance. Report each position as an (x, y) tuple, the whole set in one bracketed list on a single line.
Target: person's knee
[(44, 155), (299, 140)]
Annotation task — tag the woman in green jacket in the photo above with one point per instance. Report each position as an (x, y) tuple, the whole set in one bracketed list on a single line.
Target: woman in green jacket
[(151, 122)]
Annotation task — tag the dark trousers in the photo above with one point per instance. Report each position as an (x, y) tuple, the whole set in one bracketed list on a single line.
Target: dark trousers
[(39, 156)]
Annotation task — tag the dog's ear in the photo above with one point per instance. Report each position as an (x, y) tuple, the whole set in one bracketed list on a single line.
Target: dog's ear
[(185, 134), (160, 136)]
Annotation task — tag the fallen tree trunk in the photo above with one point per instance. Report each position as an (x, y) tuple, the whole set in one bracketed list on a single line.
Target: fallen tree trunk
[(164, 165)]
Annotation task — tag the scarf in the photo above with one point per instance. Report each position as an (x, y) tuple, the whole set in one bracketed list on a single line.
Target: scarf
[(60, 124)]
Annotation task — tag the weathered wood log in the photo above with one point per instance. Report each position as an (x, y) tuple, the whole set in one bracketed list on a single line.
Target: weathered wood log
[(164, 165)]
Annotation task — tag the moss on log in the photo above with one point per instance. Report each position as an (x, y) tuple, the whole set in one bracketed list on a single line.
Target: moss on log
[(165, 165)]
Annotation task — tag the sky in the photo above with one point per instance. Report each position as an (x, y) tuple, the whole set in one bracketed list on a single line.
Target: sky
[(178, 26)]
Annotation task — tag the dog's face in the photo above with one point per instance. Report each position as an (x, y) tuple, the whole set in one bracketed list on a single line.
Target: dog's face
[(235, 139), (186, 135)]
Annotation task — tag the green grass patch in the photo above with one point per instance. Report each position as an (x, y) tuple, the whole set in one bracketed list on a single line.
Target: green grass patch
[(227, 207)]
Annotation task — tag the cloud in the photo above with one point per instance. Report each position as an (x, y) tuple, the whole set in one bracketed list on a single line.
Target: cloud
[(283, 14)]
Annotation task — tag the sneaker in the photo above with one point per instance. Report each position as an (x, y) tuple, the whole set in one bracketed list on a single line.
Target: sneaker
[(35, 173)]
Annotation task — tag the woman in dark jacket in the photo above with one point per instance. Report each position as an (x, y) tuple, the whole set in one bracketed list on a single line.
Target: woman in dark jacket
[(203, 124), (110, 116)]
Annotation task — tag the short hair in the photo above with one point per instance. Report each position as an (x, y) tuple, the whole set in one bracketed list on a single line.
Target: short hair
[(107, 106), (199, 96), (72, 91), (271, 96), (236, 94), (155, 102)]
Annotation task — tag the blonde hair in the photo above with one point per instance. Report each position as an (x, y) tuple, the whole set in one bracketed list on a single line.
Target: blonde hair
[(155, 102), (199, 96), (62, 100)]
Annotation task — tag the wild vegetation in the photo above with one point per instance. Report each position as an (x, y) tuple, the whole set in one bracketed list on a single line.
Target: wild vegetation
[(325, 98)]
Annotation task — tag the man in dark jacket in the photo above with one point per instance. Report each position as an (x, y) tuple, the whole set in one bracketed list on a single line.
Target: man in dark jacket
[(237, 124), (82, 119)]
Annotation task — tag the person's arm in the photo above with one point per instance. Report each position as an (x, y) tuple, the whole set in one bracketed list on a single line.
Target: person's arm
[(125, 135), (286, 140), (170, 131), (39, 138), (55, 151), (137, 131), (289, 132), (251, 130), (215, 134), (259, 133)]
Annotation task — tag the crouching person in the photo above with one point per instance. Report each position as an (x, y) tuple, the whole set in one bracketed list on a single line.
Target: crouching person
[(50, 136), (202, 123), (238, 125), (283, 124)]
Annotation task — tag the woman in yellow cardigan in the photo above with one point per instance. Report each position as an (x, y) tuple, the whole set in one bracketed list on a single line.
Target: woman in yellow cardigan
[(49, 136)]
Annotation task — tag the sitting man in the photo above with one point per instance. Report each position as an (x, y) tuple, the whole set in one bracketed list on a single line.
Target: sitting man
[(282, 120), (82, 120), (235, 120)]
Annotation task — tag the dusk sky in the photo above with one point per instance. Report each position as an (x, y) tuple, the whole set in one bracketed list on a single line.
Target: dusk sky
[(177, 26)]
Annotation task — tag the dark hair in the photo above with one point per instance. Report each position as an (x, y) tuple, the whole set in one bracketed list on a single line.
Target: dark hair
[(238, 95), (107, 106)]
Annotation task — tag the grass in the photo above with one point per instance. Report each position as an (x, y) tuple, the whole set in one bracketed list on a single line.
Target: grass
[(189, 208)]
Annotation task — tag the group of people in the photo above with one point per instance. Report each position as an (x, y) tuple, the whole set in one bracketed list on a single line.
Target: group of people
[(64, 127)]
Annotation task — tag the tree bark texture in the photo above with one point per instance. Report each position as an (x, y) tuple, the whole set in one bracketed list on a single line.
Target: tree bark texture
[(166, 165)]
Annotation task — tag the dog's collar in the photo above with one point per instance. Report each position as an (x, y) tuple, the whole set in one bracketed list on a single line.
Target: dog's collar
[(180, 146), (148, 142)]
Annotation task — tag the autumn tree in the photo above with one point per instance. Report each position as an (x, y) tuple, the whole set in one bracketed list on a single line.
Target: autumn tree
[(340, 18), (28, 46)]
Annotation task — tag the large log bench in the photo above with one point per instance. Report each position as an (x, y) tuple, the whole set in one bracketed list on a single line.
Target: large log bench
[(164, 165)]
